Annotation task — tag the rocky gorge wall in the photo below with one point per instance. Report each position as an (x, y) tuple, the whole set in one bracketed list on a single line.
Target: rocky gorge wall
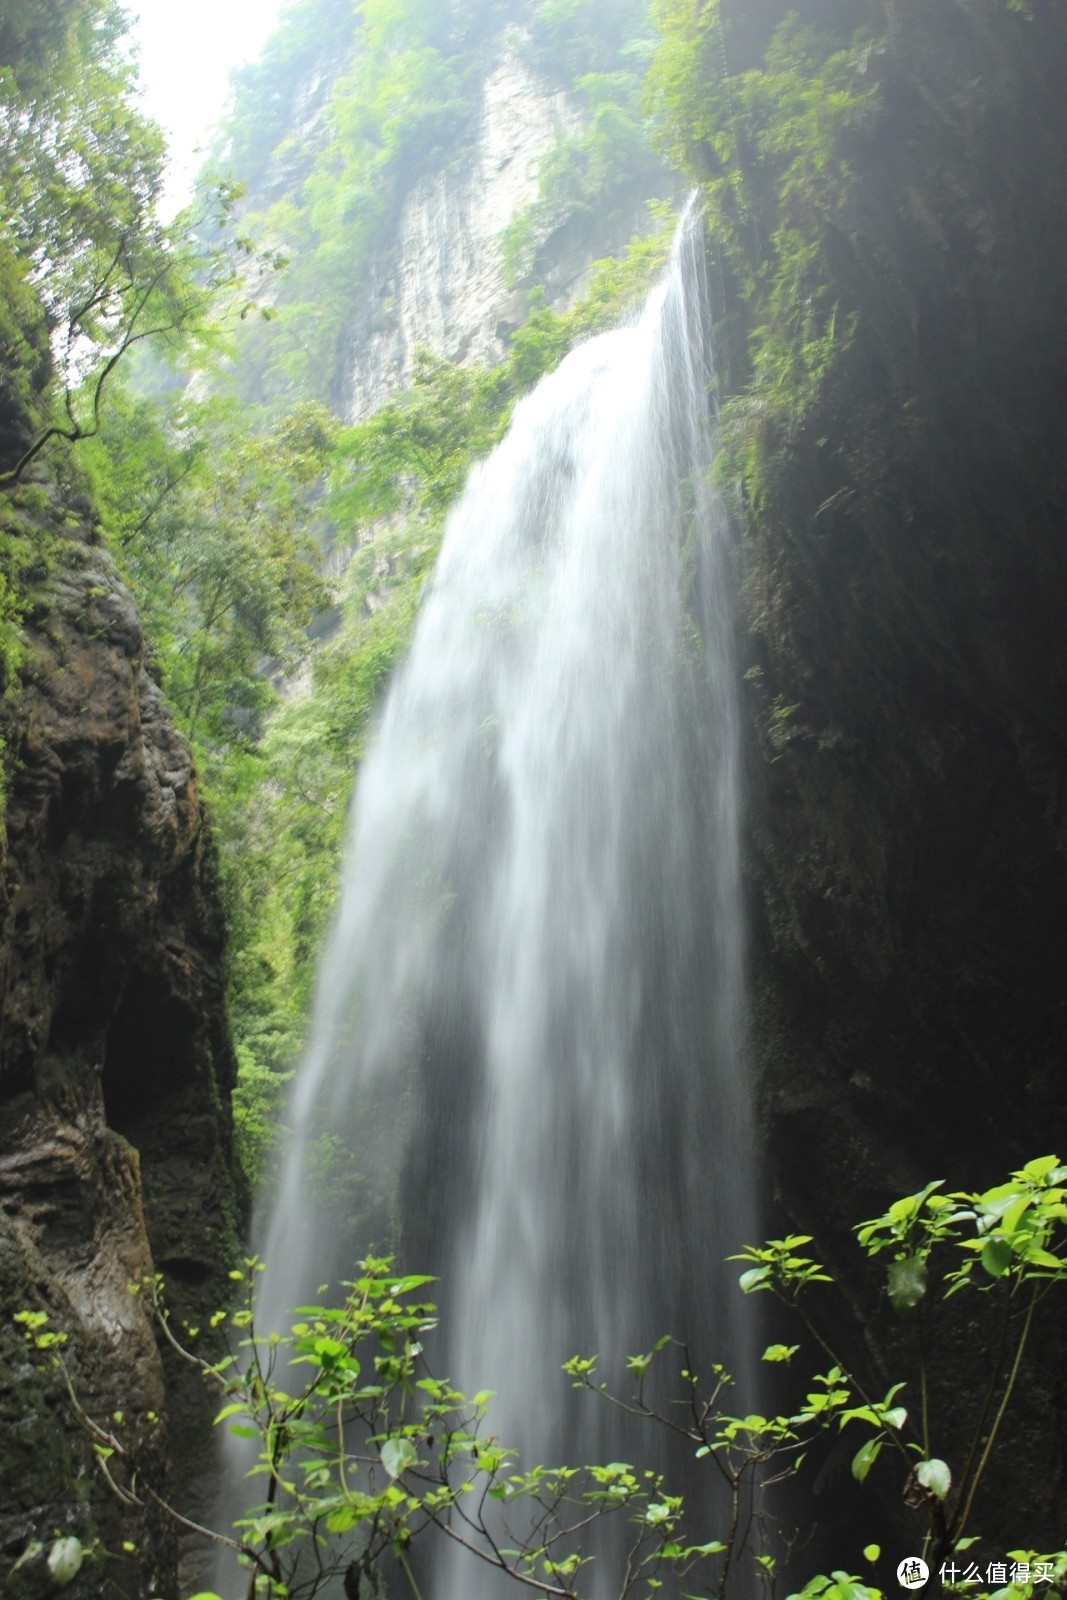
[(116, 1156), (906, 585)]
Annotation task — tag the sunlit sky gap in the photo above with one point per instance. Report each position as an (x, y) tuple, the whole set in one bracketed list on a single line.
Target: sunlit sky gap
[(187, 53)]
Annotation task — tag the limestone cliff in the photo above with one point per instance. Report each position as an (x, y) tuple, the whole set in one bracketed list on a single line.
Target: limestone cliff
[(441, 284), (387, 153), (115, 1063)]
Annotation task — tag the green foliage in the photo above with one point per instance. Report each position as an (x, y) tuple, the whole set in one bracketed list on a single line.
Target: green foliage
[(27, 538), (10, 654), (212, 526), (15, 555), (1009, 1244), (256, 1102), (769, 148), (606, 166), (80, 176), (260, 131), (216, 529), (24, 355), (424, 440), (360, 1449), (839, 1586), (569, 38), (280, 821)]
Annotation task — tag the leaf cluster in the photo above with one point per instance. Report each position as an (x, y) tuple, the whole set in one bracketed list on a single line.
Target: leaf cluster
[(1007, 1244), (358, 1450)]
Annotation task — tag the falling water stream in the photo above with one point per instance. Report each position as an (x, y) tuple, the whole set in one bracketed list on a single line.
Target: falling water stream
[(526, 1070)]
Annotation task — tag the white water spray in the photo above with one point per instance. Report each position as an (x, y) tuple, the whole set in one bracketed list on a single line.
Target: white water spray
[(528, 1034)]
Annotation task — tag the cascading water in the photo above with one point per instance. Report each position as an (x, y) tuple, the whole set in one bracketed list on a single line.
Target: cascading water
[(528, 1034)]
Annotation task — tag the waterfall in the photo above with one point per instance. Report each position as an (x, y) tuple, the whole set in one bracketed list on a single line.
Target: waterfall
[(527, 1044)]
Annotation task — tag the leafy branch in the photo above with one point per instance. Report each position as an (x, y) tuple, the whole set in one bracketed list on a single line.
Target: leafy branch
[(360, 1450)]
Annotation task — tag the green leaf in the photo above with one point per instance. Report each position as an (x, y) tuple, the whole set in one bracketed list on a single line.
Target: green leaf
[(1037, 1257), (1014, 1214), (996, 1257), (64, 1561), (780, 1352), (397, 1455), (231, 1411), (864, 1459), (754, 1278), (871, 1552), (1041, 1166), (861, 1414), (907, 1282), (935, 1476)]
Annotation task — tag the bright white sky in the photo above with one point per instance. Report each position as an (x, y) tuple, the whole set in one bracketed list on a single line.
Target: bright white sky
[(188, 49)]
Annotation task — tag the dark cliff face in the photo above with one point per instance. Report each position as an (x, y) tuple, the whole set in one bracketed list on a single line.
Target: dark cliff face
[(907, 590), (115, 1062)]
